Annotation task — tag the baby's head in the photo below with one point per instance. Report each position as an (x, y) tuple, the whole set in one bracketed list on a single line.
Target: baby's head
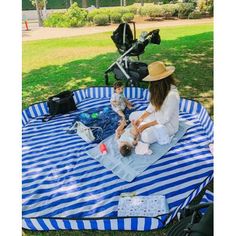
[(118, 87), (125, 150)]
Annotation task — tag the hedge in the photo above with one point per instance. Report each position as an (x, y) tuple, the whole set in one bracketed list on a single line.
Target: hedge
[(62, 4), (101, 19)]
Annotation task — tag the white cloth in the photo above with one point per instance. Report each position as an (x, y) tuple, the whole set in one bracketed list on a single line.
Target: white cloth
[(120, 98), (143, 148), (167, 118)]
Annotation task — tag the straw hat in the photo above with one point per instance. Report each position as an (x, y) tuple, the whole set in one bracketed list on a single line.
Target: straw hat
[(157, 71)]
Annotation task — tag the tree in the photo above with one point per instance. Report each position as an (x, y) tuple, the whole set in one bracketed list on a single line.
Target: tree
[(71, 2), (84, 3), (123, 3), (142, 2), (97, 3), (39, 4)]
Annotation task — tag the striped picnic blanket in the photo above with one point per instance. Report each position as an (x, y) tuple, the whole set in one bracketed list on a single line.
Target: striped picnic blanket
[(63, 188)]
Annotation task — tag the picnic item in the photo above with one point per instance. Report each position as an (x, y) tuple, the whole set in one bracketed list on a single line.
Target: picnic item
[(103, 148)]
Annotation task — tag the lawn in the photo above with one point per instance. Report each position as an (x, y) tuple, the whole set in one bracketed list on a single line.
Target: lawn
[(51, 66)]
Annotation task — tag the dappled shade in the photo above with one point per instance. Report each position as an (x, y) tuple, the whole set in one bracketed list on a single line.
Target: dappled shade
[(192, 55)]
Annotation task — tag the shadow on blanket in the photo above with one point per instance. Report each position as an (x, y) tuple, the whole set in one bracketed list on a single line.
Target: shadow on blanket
[(127, 168)]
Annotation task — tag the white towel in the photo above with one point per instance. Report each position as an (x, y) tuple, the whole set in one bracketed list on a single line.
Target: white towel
[(143, 148)]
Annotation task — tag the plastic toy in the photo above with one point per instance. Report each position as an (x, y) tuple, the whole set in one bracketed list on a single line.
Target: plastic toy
[(94, 115)]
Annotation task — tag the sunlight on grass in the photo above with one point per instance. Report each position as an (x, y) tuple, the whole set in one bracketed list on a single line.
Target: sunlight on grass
[(81, 83), (51, 66)]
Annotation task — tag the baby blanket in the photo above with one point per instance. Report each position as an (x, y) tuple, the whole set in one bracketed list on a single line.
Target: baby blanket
[(127, 168)]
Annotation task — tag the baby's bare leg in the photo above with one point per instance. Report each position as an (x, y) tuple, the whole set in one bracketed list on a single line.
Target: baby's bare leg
[(120, 129), (121, 114)]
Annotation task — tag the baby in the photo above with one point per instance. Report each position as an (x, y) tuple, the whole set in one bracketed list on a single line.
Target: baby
[(127, 138), (118, 100)]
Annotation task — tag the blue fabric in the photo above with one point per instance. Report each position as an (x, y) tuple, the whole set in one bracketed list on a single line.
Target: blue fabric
[(208, 197), (127, 168), (60, 181), (104, 118)]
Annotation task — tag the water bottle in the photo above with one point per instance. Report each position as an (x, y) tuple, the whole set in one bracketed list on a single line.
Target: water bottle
[(103, 149)]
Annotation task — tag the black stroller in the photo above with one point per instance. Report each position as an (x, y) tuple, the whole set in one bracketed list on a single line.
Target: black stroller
[(193, 223), (123, 68)]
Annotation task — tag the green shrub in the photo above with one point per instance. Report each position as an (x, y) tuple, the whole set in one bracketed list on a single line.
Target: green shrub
[(91, 14), (76, 15), (156, 11), (195, 15), (143, 11), (152, 11), (115, 17), (73, 17), (133, 9), (202, 5), (185, 9), (210, 10), (57, 19), (169, 10), (120, 10), (127, 17), (101, 19)]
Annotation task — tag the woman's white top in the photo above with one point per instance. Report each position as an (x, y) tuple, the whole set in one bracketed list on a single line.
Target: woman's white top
[(168, 115)]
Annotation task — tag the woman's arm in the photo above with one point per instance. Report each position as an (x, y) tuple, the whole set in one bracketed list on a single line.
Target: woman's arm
[(141, 118), (141, 128)]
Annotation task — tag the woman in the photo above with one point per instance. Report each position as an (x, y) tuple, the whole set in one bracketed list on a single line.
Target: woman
[(160, 121)]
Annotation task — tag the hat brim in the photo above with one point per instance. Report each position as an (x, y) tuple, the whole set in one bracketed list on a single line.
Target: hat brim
[(169, 70)]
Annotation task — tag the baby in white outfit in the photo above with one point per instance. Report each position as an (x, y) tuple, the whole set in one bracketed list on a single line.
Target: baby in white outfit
[(127, 138)]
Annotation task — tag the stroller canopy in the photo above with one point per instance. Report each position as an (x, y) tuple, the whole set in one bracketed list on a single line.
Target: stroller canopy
[(123, 37)]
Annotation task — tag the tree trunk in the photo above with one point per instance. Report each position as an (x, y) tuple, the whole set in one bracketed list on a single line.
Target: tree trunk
[(142, 3), (124, 3), (45, 9), (121, 3), (39, 12), (71, 2), (84, 3), (97, 3)]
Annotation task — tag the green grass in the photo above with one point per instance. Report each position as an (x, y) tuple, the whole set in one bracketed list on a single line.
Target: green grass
[(51, 66)]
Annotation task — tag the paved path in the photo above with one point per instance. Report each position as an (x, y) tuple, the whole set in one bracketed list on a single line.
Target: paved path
[(37, 33)]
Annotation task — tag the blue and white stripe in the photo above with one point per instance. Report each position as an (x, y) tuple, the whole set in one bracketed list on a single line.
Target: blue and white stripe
[(207, 197), (63, 188)]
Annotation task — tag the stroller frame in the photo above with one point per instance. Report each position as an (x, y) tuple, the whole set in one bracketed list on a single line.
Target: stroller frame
[(124, 61)]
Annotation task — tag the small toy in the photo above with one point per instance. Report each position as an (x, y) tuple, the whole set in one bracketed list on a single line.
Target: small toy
[(85, 116), (94, 115), (103, 148), (106, 110)]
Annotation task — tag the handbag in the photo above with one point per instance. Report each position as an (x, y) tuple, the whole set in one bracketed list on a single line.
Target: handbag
[(85, 132), (61, 103)]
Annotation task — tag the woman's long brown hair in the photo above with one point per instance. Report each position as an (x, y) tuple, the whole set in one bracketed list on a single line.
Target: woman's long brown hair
[(159, 90)]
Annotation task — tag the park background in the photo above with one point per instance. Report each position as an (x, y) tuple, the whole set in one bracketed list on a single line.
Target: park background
[(224, 118)]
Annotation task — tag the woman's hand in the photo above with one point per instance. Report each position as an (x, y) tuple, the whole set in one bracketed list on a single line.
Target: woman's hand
[(141, 128), (137, 122)]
